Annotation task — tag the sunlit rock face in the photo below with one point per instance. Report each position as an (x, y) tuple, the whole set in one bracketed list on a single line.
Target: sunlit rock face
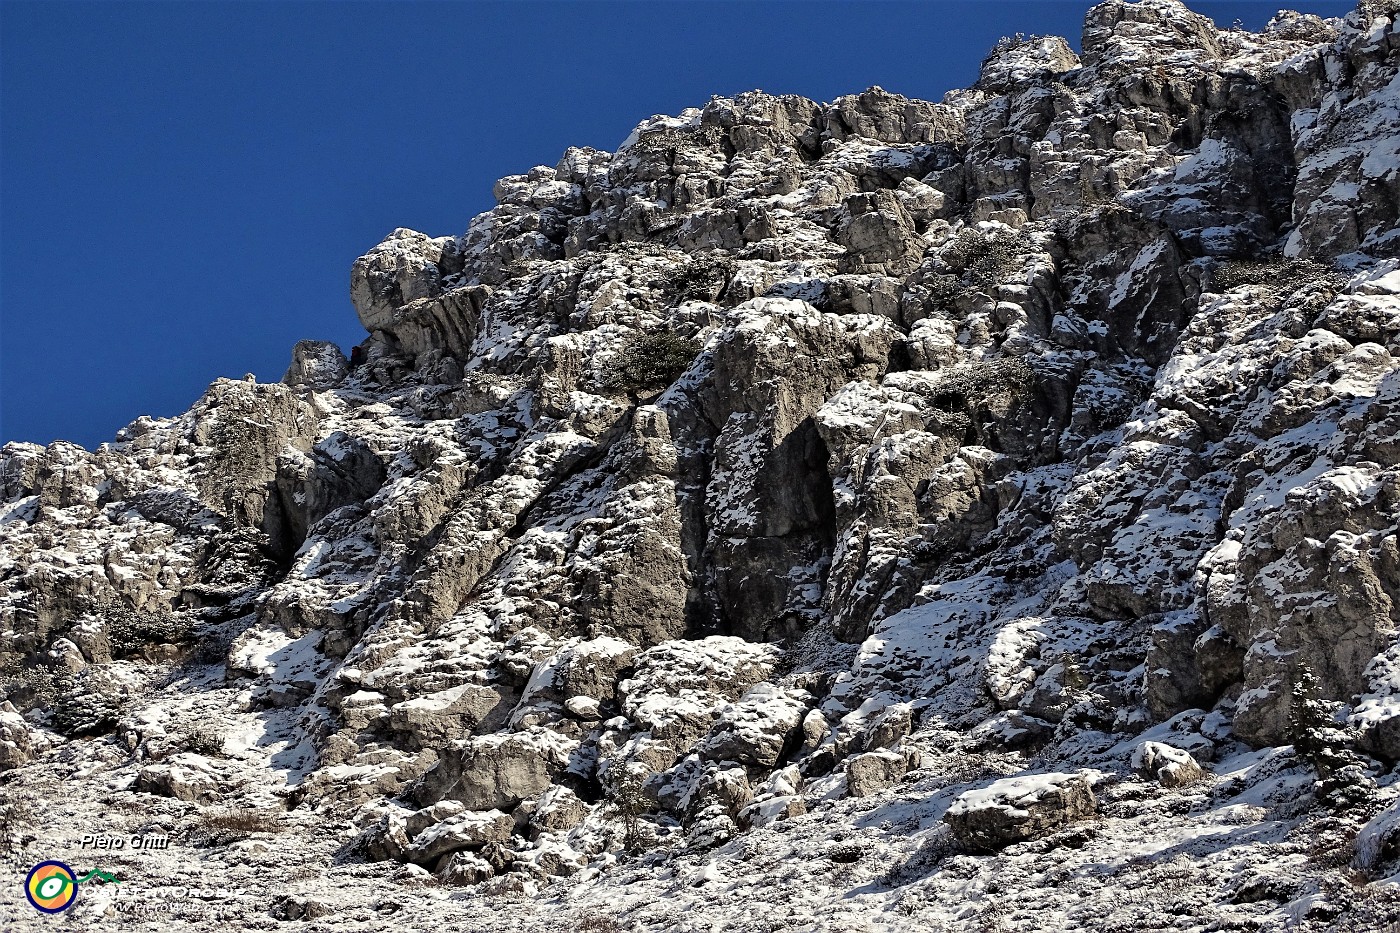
[(888, 514)]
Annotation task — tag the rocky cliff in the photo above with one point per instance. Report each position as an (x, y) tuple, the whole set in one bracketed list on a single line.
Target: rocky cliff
[(871, 515)]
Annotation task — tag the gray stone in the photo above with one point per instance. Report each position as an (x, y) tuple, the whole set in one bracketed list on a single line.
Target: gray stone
[(441, 717), (873, 772), (316, 364), (464, 831), (494, 771), (16, 746), (1171, 767), (1018, 809), (558, 810)]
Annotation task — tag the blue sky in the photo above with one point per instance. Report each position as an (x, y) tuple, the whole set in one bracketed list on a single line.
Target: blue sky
[(183, 186)]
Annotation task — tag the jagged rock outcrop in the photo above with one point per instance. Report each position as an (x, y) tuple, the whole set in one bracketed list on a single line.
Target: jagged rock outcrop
[(880, 466)]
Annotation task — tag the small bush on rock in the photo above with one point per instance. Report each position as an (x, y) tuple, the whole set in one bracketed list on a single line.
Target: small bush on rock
[(630, 802), (129, 631), (1343, 780), (85, 707), (649, 362), (1278, 279), (982, 256), (205, 741), (225, 825), (35, 686), (703, 278), (965, 388)]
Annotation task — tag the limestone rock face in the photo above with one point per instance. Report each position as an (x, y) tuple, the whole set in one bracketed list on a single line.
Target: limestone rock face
[(406, 267), (872, 772), (1119, 30), (1348, 144), (791, 470), (464, 831), (1018, 62), (187, 777)]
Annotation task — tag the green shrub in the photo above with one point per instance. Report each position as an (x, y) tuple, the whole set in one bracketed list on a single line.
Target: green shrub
[(649, 362), (629, 803), (982, 257), (205, 740), (703, 278), (1277, 279), (671, 140), (35, 686), (963, 389), (129, 631), (1343, 780), (85, 708)]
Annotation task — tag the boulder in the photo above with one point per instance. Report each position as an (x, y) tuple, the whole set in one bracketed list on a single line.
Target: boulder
[(443, 716), (316, 364), (558, 810), (185, 777), (465, 868), (873, 772), (16, 746), (388, 840), (406, 267), (495, 771), (1172, 767), (1017, 809), (469, 830), (888, 728), (759, 729), (419, 820)]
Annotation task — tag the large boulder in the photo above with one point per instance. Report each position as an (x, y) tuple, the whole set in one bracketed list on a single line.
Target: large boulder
[(1172, 767), (445, 715), (186, 776), (316, 364), (463, 831), (1017, 809), (1118, 32), (759, 729), (875, 771), (404, 268), (495, 771)]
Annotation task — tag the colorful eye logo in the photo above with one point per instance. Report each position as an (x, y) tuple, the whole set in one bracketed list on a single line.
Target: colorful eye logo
[(51, 887)]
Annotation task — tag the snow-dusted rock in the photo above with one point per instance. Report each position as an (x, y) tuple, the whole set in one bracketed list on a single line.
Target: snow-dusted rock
[(316, 364), (185, 777), (558, 810), (437, 718), (463, 831), (758, 729), (704, 487), (1020, 808), (15, 743), (1172, 767), (495, 771), (872, 772)]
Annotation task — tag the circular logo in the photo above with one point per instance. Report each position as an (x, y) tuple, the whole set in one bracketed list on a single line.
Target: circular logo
[(51, 887)]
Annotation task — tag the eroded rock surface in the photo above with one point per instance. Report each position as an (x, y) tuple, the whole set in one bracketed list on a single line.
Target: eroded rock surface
[(829, 480)]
